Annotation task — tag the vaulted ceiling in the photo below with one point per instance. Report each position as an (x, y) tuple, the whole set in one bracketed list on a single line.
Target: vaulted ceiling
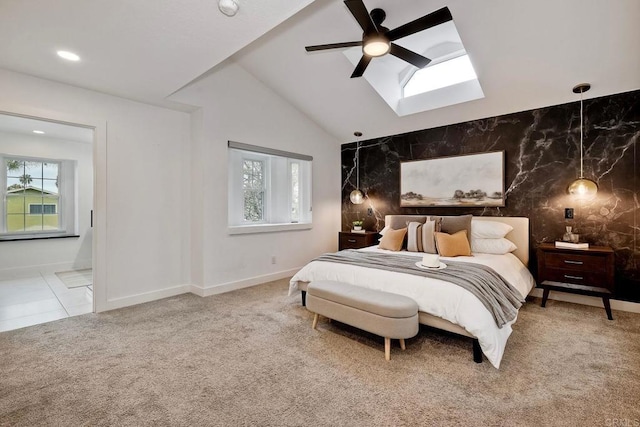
[(527, 54)]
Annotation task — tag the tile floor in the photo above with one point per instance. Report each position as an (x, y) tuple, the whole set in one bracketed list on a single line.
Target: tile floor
[(27, 302)]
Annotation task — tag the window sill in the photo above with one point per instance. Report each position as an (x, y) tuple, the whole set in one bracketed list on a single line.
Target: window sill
[(7, 238), (268, 228)]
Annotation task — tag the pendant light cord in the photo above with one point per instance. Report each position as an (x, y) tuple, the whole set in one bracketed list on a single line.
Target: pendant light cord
[(358, 165), (581, 137)]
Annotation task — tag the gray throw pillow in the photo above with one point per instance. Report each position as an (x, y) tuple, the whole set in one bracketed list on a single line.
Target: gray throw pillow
[(453, 224)]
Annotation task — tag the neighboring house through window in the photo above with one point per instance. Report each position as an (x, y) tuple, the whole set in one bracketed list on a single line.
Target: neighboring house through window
[(38, 197), (268, 187)]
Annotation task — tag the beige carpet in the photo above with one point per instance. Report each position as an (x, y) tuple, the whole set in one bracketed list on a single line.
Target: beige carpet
[(251, 358), (76, 278)]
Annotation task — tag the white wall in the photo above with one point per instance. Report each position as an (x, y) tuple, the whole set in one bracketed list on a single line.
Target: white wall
[(26, 258), (237, 107), (161, 184), (142, 188)]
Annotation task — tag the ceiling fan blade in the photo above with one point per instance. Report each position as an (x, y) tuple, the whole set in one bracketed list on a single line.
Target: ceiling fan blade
[(360, 12), (332, 46), (438, 17), (409, 56), (362, 65)]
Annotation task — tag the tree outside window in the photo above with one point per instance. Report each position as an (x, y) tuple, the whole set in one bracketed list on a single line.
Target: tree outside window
[(253, 186)]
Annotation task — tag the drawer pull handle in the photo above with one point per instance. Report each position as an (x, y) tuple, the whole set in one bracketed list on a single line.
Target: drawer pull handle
[(566, 276), (352, 240), (573, 262)]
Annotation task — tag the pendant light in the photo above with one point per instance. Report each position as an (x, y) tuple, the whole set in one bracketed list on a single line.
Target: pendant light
[(356, 195), (582, 187)]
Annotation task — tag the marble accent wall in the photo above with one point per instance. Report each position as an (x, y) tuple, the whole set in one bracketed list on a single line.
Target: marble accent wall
[(542, 157)]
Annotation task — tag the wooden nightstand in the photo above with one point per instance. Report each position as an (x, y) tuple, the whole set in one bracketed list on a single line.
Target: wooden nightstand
[(580, 271), (349, 240)]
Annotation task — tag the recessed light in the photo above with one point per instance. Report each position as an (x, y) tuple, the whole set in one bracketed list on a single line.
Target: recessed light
[(39, 132), (70, 56)]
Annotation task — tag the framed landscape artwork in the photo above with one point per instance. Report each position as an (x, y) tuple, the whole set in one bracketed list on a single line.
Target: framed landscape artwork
[(457, 181)]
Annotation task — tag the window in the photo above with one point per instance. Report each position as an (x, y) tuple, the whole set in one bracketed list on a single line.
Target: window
[(442, 74), (253, 189), (42, 209), (268, 188), (38, 197), (294, 191)]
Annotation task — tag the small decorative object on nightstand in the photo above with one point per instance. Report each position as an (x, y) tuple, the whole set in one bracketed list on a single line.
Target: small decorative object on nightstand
[(349, 240), (580, 271)]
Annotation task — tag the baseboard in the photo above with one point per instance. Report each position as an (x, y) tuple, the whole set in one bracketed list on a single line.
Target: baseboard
[(632, 307), (205, 291), (112, 304)]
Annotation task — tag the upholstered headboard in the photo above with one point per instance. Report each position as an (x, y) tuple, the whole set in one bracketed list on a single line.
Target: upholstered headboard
[(519, 235)]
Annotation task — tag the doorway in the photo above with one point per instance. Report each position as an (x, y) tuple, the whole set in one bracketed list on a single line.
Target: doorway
[(46, 233)]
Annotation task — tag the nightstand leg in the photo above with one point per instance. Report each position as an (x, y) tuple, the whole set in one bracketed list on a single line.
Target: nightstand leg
[(607, 307), (545, 295)]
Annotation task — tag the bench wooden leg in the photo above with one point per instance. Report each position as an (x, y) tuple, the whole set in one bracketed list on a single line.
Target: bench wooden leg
[(387, 348), (402, 344), (315, 321), (607, 307)]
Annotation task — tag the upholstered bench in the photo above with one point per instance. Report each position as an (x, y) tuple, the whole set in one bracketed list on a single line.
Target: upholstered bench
[(389, 315)]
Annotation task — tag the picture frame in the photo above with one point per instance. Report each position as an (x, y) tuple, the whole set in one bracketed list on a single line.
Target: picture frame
[(468, 180)]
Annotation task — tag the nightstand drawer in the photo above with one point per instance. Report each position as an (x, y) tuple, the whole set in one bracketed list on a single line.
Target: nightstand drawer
[(590, 278), (349, 240), (352, 241), (576, 262)]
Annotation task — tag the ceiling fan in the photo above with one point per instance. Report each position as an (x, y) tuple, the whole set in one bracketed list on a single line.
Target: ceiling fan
[(378, 40)]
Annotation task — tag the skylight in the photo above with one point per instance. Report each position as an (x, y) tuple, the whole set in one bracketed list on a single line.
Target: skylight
[(449, 80), (443, 74)]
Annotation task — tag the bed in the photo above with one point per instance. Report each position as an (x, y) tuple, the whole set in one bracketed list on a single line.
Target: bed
[(442, 305)]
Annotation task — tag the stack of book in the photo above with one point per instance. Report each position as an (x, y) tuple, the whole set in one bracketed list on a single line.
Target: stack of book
[(569, 245)]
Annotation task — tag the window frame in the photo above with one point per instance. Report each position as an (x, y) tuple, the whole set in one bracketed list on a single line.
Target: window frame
[(265, 187), (278, 191), (66, 196)]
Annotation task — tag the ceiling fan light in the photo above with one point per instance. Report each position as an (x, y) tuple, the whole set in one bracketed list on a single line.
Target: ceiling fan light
[(376, 46), (583, 188)]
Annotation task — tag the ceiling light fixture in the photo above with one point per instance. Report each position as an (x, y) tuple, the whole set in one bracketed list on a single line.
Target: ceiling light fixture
[(356, 195), (39, 132), (228, 7), (69, 56), (582, 187), (376, 45)]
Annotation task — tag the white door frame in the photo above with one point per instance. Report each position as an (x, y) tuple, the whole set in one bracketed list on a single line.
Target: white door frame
[(99, 241)]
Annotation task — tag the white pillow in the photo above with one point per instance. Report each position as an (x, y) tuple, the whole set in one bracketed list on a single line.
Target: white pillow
[(499, 246), (384, 230), (489, 229)]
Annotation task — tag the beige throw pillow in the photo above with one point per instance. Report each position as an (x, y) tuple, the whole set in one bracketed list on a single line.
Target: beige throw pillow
[(453, 244), (392, 239)]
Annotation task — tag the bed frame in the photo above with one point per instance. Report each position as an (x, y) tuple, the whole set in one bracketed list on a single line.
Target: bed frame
[(519, 236)]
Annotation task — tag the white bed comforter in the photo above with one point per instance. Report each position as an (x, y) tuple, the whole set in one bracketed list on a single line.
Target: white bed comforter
[(436, 297)]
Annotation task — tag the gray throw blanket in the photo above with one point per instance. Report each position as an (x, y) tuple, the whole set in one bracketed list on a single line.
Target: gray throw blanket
[(498, 296)]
